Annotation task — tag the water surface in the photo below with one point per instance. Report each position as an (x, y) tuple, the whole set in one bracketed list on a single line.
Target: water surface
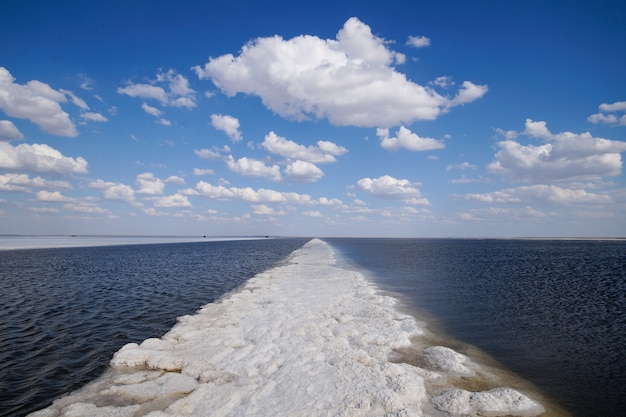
[(554, 311), (64, 312)]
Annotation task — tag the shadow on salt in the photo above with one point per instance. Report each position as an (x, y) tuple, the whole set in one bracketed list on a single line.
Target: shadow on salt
[(305, 338)]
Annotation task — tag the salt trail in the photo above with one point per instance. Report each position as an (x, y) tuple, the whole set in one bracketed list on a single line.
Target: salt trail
[(303, 339)]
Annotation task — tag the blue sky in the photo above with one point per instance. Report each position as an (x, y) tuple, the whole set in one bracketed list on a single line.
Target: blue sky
[(329, 118)]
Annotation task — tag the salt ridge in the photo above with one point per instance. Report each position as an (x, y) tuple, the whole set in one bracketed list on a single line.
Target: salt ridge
[(303, 339)]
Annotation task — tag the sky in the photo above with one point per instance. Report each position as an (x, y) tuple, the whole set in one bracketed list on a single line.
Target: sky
[(326, 118)]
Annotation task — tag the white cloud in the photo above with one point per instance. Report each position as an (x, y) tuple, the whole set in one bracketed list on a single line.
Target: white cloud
[(86, 82), (610, 119), (169, 89), (39, 158), (53, 197), (312, 213), (37, 102), (418, 41), (174, 179), (85, 207), (614, 107), (564, 156), (508, 213), (467, 93), (207, 153), (253, 168), (228, 125), (324, 152), (94, 117), (147, 183), (199, 172), (462, 166), (213, 153), (24, 183), (302, 171), (164, 122), (114, 191), (145, 91), (9, 132), (264, 210), (407, 140), (541, 194), (248, 194), (389, 187), (349, 80), (444, 81), (153, 111), (175, 200), (77, 101)]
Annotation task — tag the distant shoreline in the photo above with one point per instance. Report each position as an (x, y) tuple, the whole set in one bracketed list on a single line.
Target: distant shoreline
[(18, 242)]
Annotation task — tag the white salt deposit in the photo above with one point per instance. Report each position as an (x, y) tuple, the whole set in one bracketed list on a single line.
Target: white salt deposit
[(303, 339)]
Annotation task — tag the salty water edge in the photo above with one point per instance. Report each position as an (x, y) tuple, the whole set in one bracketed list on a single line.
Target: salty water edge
[(306, 338), (65, 311), (552, 310)]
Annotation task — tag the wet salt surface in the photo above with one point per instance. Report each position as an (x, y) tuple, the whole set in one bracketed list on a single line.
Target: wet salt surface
[(305, 338)]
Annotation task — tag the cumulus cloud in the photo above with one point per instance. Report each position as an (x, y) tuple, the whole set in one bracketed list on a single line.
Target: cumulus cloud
[(405, 139), (350, 80), (37, 102), (324, 152), (53, 197), (169, 89), (253, 168), (199, 172), (264, 210), (388, 187), (610, 114), (213, 153), (418, 41), (227, 124), (467, 93), (262, 195), (174, 179), (564, 156), (302, 171), (24, 183), (175, 200), (147, 183), (9, 132), (540, 194), (39, 158), (114, 191)]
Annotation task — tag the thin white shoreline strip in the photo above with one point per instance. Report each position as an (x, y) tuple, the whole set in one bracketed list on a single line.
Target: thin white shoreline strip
[(302, 339), (50, 242)]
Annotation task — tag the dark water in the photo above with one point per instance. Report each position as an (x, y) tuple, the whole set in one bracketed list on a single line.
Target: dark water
[(553, 311), (64, 312)]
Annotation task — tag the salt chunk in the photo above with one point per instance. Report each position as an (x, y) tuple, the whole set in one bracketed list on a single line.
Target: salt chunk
[(496, 402), (448, 360), (165, 385), (90, 410)]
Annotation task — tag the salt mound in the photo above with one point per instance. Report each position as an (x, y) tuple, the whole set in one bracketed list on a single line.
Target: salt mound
[(497, 402), (303, 339)]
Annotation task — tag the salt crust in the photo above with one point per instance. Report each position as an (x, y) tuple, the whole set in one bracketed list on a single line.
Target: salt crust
[(303, 339)]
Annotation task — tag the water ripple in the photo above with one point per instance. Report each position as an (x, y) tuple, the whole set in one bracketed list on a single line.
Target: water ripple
[(64, 312)]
